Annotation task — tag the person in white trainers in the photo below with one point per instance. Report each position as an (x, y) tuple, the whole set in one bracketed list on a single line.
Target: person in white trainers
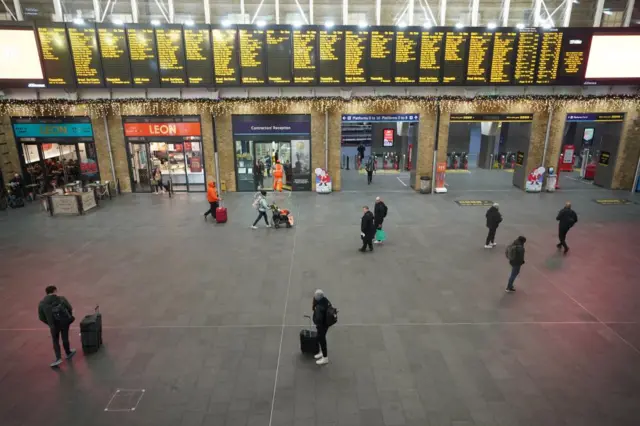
[(262, 206), (320, 305), (57, 313), (493, 220)]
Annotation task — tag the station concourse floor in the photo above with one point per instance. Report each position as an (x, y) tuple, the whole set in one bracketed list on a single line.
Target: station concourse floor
[(205, 318)]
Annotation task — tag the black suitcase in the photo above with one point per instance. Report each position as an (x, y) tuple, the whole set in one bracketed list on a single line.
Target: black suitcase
[(309, 339), (91, 332)]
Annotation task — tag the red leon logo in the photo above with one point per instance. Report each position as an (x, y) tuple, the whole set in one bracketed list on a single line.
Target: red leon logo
[(162, 129)]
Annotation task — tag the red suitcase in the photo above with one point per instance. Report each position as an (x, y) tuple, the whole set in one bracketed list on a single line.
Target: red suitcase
[(221, 215)]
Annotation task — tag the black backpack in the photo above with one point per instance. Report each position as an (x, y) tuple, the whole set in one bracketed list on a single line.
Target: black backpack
[(60, 313), (384, 210), (332, 316)]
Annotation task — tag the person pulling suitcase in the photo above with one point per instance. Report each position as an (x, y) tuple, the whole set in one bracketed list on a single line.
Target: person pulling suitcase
[(324, 316)]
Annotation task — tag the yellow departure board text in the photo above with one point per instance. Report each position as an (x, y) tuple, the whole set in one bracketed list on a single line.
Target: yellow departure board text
[(304, 53), (407, 56), (113, 51), (84, 48), (455, 51), (224, 54), (355, 54), (430, 57), (55, 55), (331, 56), (198, 55), (171, 55), (504, 45), (380, 58), (479, 57), (251, 56), (550, 47), (142, 55), (526, 58), (572, 62), (279, 54)]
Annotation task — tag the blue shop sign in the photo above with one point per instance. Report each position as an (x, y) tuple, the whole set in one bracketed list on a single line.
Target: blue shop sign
[(368, 118), (57, 130), (586, 117)]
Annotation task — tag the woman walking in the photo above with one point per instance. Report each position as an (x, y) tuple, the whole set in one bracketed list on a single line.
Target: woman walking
[(212, 198), (261, 204)]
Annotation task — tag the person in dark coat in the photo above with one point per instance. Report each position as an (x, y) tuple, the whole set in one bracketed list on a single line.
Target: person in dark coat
[(361, 150), (369, 167), (515, 254), (566, 219), (493, 220), (367, 229), (56, 312), (320, 306), (379, 213)]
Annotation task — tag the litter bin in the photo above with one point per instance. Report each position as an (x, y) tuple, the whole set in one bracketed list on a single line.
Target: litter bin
[(425, 185)]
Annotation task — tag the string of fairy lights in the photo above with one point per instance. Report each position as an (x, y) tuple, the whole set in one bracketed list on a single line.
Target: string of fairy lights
[(386, 104)]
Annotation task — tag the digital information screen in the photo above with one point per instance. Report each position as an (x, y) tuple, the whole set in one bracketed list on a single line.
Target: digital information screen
[(503, 57), (143, 56), (381, 56), (550, 47), (526, 57), (225, 54), (86, 56), (407, 53), (56, 55), (304, 56), (19, 46), (614, 57), (171, 62), (115, 57), (252, 66), (199, 56), (479, 61), (279, 56), (455, 52), (355, 64), (331, 58), (573, 57), (431, 45)]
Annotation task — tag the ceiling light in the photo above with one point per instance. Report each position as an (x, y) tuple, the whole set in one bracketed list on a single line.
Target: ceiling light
[(78, 21), (576, 2), (546, 25), (226, 23), (328, 24), (459, 25), (261, 24), (297, 24), (362, 24), (155, 22), (520, 26), (189, 23), (117, 22), (427, 24), (491, 25), (607, 12), (402, 25)]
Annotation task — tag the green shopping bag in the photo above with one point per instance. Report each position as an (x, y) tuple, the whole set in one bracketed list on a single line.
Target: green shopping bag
[(380, 235)]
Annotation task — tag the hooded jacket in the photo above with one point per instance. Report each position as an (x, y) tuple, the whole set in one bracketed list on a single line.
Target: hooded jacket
[(493, 217), (45, 306), (518, 259), (320, 311), (566, 218), (212, 194), (367, 226)]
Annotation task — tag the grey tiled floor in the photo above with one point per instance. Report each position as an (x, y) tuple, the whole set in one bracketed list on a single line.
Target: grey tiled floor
[(206, 317)]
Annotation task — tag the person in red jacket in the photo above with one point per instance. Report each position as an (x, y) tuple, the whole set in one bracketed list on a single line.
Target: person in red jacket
[(212, 198)]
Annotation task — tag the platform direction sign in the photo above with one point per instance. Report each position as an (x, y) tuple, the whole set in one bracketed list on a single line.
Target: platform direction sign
[(474, 203)]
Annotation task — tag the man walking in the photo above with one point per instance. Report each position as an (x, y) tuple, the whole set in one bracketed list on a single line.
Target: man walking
[(57, 313), (493, 220), (361, 150), (369, 168), (367, 229), (515, 254), (379, 213), (566, 219), (320, 310)]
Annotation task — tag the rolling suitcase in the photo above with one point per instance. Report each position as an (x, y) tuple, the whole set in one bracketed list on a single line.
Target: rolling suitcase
[(91, 332), (309, 339), (221, 214)]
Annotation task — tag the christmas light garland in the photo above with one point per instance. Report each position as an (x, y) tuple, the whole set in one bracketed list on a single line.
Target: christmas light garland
[(279, 105)]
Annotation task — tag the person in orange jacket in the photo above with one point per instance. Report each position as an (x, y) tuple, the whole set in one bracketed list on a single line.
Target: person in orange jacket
[(278, 173), (212, 198)]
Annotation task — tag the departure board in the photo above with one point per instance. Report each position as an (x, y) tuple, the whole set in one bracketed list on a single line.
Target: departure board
[(252, 64), (199, 56), (356, 42), (225, 56), (331, 56), (549, 59), (479, 57), (526, 57), (455, 53), (115, 56), (503, 57), (573, 56), (56, 55), (431, 45), (86, 56), (279, 55), (381, 55), (406, 54), (304, 55), (171, 61), (143, 56)]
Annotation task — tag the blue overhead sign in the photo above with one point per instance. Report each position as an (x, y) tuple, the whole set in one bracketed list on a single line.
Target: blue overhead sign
[(50, 130), (608, 116), (373, 118)]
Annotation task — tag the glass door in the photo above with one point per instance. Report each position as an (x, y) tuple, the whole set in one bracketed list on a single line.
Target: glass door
[(176, 166), (245, 180), (34, 172), (88, 164), (139, 168), (195, 166), (265, 154)]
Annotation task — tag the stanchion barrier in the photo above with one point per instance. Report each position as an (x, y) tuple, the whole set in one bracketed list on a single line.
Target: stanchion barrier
[(347, 162)]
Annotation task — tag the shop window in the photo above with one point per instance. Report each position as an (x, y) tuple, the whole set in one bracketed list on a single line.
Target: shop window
[(244, 165), (195, 166)]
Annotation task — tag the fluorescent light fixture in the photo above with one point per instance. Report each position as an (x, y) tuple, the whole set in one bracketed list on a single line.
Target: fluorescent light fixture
[(491, 25), (427, 24), (362, 24), (78, 21), (546, 25), (328, 24), (402, 25), (117, 22), (261, 23), (459, 25), (155, 22), (607, 12), (189, 23), (520, 26), (297, 24), (226, 23), (576, 2)]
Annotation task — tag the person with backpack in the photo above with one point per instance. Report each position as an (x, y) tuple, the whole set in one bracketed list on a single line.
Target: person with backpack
[(493, 220), (324, 316), (515, 254), (566, 219), (56, 312), (260, 204), (379, 213)]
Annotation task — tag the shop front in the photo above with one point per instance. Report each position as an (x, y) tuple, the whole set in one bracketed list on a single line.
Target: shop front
[(55, 151), (260, 141), (171, 145)]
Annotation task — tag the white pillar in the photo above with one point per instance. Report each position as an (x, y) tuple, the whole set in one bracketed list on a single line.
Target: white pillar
[(277, 5), (378, 10), (345, 12), (536, 13), (311, 12), (505, 12), (597, 19), (134, 11), (96, 11), (57, 10), (207, 11), (567, 13), (18, 7), (242, 13), (171, 10), (475, 9), (443, 12), (411, 7), (627, 15)]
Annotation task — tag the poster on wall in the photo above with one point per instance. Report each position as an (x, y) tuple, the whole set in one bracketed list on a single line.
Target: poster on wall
[(604, 158), (587, 136), (387, 137), (301, 164)]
